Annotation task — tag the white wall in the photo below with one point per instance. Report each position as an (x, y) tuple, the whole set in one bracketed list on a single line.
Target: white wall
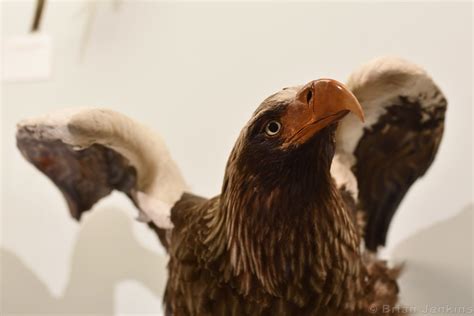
[(195, 72)]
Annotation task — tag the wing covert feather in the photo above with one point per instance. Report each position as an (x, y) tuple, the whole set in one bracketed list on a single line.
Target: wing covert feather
[(405, 112), (89, 152)]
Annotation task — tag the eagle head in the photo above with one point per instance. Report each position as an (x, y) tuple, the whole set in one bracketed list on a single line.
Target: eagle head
[(290, 138)]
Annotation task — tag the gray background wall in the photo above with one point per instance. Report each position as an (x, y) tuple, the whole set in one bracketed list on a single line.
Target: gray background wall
[(195, 72)]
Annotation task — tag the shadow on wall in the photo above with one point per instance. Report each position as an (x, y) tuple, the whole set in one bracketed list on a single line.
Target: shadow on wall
[(106, 253), (438, 268)]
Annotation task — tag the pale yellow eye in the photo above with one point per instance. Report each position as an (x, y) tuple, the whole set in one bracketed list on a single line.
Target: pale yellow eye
[(273, 128)]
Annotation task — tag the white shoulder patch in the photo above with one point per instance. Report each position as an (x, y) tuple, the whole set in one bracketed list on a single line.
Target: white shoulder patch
[(379, 84), (343, 176), (157, 211), (159, 180)]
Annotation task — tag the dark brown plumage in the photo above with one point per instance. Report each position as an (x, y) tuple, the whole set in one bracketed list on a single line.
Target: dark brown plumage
[(285, 235), (407, 149), (400, 146), (84, 176)]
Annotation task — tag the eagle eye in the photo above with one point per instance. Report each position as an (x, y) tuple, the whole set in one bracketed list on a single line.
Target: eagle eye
[(273, 128)]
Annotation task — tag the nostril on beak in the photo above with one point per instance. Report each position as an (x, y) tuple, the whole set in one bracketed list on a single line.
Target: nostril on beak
[(309, 96)]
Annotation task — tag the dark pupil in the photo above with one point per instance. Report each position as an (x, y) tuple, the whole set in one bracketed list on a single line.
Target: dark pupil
[(273, 127)]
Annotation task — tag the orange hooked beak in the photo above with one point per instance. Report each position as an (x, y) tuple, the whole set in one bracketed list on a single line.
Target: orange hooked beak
[(317, 105)]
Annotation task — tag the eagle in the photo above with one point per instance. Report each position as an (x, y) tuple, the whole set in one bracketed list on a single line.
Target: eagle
[(308, 194)]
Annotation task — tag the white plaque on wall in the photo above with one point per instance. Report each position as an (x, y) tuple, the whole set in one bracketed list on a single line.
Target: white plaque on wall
[(26, 58)]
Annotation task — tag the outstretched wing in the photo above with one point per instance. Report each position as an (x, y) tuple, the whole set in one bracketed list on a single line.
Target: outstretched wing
[(88, 153), (404, 125)]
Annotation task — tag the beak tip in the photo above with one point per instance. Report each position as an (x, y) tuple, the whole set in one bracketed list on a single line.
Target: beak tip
[(355, 106)]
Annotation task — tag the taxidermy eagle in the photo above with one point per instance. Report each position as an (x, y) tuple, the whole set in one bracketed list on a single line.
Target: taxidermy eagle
[(305, 202)]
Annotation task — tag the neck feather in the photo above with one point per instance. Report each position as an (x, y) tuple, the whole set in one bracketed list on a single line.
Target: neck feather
[(288, 235)]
